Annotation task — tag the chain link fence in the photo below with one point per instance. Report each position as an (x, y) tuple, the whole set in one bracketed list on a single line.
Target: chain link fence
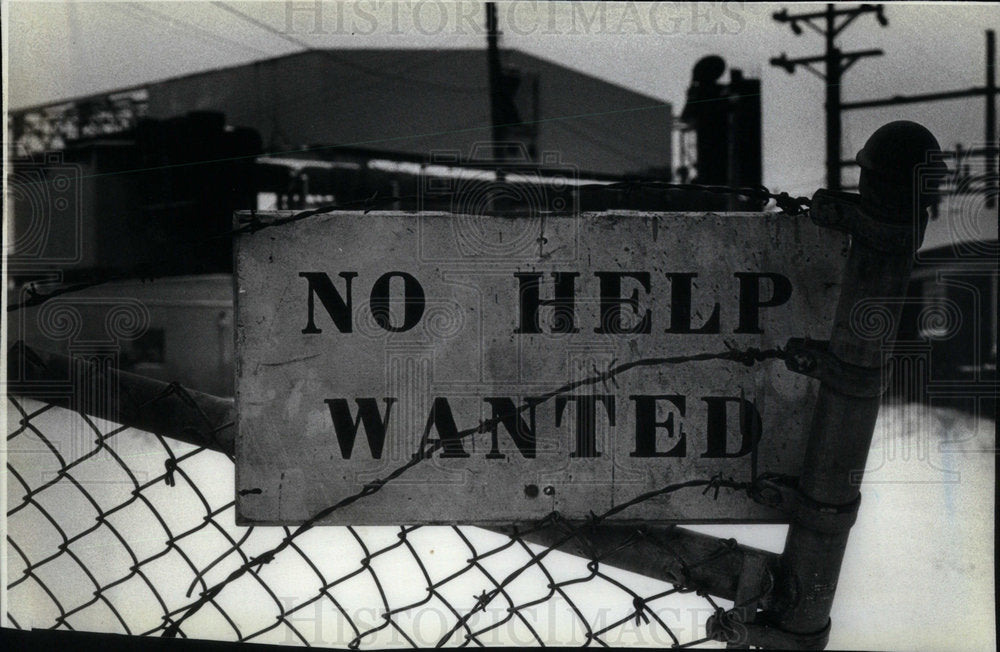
[(121, 519), (120, 511), (114, 529), (117, 528)]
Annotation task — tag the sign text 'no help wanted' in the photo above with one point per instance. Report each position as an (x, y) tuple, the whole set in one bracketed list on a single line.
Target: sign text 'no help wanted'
[(542, 364)]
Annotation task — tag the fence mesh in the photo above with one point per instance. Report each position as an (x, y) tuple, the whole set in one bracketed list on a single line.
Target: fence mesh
[(119, 530)]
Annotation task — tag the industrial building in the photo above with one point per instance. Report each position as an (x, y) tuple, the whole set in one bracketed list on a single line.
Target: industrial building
[(172, 159), (123, 184), (414, 101)]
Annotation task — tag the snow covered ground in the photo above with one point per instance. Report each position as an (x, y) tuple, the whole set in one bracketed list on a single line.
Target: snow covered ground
[(918, 574)]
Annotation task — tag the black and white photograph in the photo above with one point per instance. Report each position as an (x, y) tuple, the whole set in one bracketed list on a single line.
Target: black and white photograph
[(390, 324)]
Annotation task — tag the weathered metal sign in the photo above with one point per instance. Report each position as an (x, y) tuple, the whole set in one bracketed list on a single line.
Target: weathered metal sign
[(546, 364)]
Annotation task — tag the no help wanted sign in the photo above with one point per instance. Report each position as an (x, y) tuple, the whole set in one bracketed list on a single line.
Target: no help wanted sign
[(363, 339)]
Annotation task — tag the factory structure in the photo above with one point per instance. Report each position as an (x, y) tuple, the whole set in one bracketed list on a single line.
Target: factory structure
[(172, 159), (409, 100), (142, 181)]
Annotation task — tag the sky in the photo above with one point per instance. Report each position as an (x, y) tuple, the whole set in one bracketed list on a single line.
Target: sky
[(58, 50)]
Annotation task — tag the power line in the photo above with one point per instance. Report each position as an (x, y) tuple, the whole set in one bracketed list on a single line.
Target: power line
[(346, 62), (184, 27), (835, 64), (261, 25), (579, 130), (191, 32), (989, 91)]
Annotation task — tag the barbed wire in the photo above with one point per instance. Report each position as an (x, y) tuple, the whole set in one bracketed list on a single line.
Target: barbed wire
[(178, 542), (428, 447), (149, 270), (173, 473)]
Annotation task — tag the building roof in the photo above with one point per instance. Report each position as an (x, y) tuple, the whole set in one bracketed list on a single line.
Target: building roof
[(419, 101), (361, 59)]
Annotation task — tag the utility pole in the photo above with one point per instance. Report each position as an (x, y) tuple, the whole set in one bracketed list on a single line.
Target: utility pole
[(991, 119), (989, 91), (829, 24), (498, 132), (513, 121)]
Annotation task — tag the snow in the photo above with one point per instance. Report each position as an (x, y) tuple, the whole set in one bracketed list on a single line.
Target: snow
[(918, 573)]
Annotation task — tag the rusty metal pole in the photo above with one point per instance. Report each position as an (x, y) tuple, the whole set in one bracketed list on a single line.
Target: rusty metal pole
[(887, 225), (991, 119), (834, 70)]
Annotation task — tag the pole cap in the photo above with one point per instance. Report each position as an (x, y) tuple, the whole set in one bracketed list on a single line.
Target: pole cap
[(901, 168)]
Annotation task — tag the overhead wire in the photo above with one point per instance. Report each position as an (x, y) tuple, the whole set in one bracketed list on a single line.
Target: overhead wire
[(183, 25), (188, 30), (344, 61), (582, 133)]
